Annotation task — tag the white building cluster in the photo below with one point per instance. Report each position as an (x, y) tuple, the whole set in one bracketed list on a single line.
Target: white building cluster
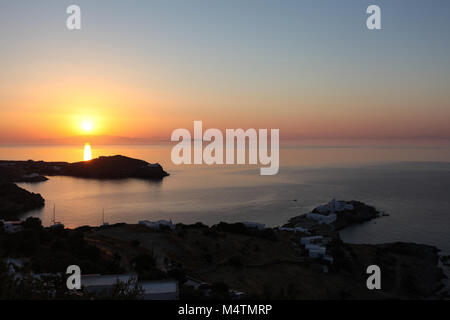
[(316, 247), (328, 213)]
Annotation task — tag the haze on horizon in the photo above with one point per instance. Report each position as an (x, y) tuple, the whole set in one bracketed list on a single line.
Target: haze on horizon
[(140, 69)]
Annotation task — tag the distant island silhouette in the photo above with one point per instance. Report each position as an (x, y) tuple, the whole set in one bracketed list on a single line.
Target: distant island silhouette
[(111, 167)]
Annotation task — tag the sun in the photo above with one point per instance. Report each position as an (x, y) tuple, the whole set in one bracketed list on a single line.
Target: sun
[(87, 126)]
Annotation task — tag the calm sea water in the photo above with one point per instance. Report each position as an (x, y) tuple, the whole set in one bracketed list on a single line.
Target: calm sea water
[(411, 184)]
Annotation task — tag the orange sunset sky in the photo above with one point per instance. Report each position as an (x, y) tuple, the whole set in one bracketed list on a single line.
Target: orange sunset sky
[(141, 70)]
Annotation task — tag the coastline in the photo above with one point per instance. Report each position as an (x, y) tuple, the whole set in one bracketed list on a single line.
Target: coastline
[(303, 259), (258, 262), (15, 201)]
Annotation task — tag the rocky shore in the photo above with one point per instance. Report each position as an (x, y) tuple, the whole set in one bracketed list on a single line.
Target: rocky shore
[(409, 269), (352, 212)]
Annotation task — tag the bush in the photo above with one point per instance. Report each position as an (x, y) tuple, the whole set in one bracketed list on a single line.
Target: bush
[(210, 233), (220, 291), (236, 261), (32, 223), (240, 228), (145, 266), (209, 258), (178, 274), (135, 243), (197, 225), (144, 262)]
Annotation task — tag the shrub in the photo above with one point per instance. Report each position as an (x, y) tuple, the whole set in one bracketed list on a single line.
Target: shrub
[(135, 243)]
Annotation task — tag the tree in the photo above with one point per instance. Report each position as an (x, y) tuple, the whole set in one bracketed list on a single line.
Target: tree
[(32, 223)]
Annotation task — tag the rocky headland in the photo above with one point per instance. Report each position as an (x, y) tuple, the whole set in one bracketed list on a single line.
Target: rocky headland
[(15, 200), (335, 219), (111, 167)]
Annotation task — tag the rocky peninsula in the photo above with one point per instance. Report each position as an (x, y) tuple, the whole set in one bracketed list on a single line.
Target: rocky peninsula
[(276, 263), (335, 216), (112, 167), (15, 200)]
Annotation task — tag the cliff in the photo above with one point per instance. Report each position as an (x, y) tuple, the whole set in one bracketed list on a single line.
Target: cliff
[(15, 201)]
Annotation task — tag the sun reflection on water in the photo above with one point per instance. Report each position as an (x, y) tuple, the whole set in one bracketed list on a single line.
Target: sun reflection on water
[(87, 152)]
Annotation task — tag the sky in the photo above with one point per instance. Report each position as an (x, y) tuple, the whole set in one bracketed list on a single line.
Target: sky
[(141, 69)]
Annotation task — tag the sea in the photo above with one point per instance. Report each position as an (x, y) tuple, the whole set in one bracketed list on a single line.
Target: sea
[(410, 184)]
